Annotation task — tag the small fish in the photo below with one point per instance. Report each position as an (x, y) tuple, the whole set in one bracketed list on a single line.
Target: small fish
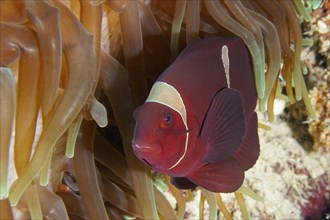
[(198, 123)]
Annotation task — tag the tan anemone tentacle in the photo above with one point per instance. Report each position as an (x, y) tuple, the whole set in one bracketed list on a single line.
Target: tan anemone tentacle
[(180, 7), (273, 55), (7, 116), (77, 45), (277, 16), (85, 167), (45, 19), (91, 19), (154, 42), (6, 212), (201, 206), (52, 206), (295, 27), (117, 165), (13, 12), (73, 131), (211, 200), (270, 103), (242, 205), (23, 42), (33, 202), (132, 47), (222, 207), (253, 5), (164, 208), (192, 20), (124, 200), (115, 84), (287, 74)]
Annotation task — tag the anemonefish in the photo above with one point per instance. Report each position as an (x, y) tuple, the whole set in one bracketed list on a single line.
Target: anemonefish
[(198, 124)]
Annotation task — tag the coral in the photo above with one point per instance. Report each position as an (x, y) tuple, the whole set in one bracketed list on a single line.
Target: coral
[(319, 127), (314, 132)]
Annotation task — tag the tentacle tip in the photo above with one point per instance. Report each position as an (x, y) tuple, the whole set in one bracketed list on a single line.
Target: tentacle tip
[(103, 125), (262, 105), (298, 97), (13, 200), (69, 154), (3, 194), (99, 114), (261, 94), (101, 121), (260, 90), (43, 182)]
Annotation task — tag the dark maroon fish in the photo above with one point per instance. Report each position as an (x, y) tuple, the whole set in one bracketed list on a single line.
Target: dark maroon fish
[(198, 124)]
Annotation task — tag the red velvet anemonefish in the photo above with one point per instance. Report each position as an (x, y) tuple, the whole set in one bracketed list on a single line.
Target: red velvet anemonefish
[(198, 124)]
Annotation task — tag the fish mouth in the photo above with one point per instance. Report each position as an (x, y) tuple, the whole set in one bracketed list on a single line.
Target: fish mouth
[(145, 161), (147, 148), (147, 152)]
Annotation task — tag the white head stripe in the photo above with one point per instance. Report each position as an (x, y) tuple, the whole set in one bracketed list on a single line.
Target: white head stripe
[(225, 62), (165, 94)]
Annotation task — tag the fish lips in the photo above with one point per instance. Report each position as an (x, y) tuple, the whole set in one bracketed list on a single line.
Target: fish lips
[(148, 152)]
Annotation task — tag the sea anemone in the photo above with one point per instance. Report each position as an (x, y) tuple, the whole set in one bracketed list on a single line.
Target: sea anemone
[(64, 63)]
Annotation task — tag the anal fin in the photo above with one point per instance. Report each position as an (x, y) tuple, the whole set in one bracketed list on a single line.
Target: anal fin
[(221, 176)]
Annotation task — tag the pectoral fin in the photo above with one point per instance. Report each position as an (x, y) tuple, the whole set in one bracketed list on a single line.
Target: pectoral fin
[(248, 153), (223, 127)]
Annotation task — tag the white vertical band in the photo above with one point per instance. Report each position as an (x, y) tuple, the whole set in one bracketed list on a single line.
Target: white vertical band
[(165, 94)]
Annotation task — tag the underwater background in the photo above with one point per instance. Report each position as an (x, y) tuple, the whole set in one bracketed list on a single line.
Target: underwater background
[(72, 72)]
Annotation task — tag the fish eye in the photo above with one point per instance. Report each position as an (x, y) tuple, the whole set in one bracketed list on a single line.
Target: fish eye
[(167, 119)]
